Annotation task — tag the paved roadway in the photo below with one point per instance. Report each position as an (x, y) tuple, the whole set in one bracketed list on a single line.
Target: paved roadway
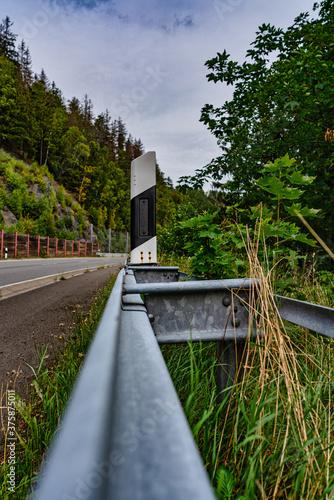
[(16, 271)]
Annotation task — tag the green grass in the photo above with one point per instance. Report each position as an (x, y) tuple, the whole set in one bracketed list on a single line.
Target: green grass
[(38, 417), (251, 443), (272, 436)]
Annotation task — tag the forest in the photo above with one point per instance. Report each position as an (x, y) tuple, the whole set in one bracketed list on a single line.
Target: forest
[(269, 215), (282, 105), (88, 156)]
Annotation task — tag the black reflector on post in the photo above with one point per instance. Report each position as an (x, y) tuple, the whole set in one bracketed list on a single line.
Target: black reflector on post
[(143, 232)]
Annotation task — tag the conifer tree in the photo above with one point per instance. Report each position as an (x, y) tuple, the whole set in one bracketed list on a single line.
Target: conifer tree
[(74, 112), (121, 134), (102, 132), (7, 40), (87, 113), (24, 60), (44, 79)]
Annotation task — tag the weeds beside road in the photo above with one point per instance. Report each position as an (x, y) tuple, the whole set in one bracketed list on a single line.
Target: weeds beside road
[(37, 418)]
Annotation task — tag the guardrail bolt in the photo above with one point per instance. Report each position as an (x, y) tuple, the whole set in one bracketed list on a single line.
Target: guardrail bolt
[(151, 317), (227, 301), (236, 322)]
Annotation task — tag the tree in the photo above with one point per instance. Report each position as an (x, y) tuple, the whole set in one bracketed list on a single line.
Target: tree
[(7, 40), (44, 102), (121, 134), (87, 113), (9, 126), (74, 112), (44, 79), (101, 129), (75, 157), (24, 60), (283, 102)]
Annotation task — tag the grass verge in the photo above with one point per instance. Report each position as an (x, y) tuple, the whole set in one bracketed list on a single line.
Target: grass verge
[(272, 436), (36, 420)]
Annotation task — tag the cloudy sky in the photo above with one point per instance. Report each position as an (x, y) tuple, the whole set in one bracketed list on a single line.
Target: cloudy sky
[(144, 60)]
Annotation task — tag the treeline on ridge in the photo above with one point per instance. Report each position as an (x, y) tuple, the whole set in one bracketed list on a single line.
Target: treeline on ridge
[(90, 156)]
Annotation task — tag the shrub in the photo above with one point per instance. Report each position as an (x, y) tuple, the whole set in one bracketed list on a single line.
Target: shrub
[(15, 202), (68, 200), (46, 225), (68, 223), (61, 196)]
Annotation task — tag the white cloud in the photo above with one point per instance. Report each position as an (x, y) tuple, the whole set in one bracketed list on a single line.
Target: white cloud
[(144, 61)]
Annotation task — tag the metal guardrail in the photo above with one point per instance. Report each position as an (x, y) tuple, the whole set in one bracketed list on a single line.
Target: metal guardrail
[(124, 434), (320, 319), (177, 313)]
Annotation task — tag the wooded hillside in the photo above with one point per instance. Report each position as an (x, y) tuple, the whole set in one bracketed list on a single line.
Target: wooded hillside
[(89, 155)]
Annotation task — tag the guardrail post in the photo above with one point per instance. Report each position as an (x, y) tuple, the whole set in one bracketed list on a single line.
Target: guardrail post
[(85, 248), (47, 245), (15, 246), (79, 248), (28, 238), (143, 231), (64, 248), (72, 248), (92, 249), (1, 244), (56, 246), (38, 244), (229, 371)]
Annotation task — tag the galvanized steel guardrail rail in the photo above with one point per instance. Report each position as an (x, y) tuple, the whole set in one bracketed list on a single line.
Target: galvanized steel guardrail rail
[(124, 435)]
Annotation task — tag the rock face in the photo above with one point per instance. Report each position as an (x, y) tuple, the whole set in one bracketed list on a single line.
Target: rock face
[(64, 209), (49, 186), (37, 191), (8, 217)]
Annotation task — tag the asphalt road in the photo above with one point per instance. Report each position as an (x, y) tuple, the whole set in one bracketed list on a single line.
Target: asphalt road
[(16, 271), (37, 320)]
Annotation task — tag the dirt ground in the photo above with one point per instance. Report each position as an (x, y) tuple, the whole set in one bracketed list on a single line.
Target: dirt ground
[(33, 320)]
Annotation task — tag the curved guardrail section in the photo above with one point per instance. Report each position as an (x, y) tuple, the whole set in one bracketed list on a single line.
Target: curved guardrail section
[(312, 316), (124, 435)]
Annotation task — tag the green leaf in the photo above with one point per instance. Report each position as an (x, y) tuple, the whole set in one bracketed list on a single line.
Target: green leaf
[(304, 239), (276, 187), (208, 234), (273, 185), (305, 211), (290, 193), (291, 105), (299, 178)]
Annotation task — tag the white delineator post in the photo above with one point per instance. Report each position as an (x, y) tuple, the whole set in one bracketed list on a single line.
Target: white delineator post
[(143, 232)]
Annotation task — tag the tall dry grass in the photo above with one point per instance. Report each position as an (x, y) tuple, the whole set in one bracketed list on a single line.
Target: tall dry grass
[(272, 437)]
